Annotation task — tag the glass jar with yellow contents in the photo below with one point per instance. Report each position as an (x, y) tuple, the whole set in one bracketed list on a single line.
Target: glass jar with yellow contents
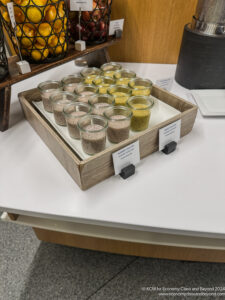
[(121, 94), (124, 76), (103, 83), (109, 69), (89, 74), (141, 87), (141, 108)]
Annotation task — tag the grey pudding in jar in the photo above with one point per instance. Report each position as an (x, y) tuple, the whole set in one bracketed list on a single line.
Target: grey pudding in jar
[(73, 112), (47, 88), (59, 101), (93, 133), (100, 102), (84, 91), (71, 82), (119, 119)]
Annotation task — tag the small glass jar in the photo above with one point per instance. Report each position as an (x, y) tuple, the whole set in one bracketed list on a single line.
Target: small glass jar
[(100, 102), (119, 119), (124, 76), (141, 87), (141, 108), (121, 93), (93, 133), (59, 101), (73, 112), (70, 82), (103, 83), (89, 74), (46, 89), (109, 69), (86, 89)]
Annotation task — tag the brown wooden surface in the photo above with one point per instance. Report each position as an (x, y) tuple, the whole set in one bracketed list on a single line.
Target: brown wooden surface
[(38, 68), (130, 248), (13, 217), (90, 171), (5, 99), (152, 30)]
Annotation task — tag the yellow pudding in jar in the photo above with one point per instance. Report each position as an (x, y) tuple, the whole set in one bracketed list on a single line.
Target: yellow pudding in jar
[(120, 98), (140, 106), (141, 91), (103, 83), (141, 116), (109, 73), (103, 88), (89, 74), (109, 69), (140, 87), (123, 81), (124, 76), (89, 79), (121, 94)]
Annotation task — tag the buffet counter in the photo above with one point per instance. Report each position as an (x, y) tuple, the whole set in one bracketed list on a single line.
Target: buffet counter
[(173, 207)]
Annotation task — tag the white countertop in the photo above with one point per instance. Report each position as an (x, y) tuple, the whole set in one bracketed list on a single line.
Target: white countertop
[(183, 192)]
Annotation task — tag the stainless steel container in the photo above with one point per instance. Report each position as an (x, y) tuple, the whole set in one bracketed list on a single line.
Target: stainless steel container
[(201, 63), (209, 18)]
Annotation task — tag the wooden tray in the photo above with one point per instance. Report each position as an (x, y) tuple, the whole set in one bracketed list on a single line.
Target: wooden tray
[(159, 113), (90, 171)]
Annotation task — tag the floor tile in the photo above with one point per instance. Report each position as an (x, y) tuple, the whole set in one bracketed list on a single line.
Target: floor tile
[(138, 280), (59, 272), (18, 246)]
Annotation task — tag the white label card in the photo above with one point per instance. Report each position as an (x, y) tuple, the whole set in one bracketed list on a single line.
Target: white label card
[(83, 5), (165, 83), (126, 156), (115, 25), (11, 14), (170, 133)]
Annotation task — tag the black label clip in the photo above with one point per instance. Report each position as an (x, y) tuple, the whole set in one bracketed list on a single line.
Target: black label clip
[(127, 171), (169, 148)]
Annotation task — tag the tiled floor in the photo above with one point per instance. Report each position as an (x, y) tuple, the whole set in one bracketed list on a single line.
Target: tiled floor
[(34, 270)]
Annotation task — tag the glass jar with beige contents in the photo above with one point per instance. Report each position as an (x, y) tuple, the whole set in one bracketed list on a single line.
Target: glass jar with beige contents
[(89, 74), (84, 91), (100, 102), (119, 118), (141, 87), (59, 101), (46, 89), (70, 82), (109, 69), (73, 112), (93, 133), (124, 76), (121, 93), (141, 108), (103, 83)]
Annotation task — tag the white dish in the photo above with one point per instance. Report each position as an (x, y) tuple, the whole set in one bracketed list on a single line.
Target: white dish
[(159, 113), (210, 102)]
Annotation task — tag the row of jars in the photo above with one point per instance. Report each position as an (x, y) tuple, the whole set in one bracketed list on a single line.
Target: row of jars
[(92, 115)]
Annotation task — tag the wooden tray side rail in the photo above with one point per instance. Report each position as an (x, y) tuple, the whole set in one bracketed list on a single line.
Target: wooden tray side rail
[(90, 171)]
